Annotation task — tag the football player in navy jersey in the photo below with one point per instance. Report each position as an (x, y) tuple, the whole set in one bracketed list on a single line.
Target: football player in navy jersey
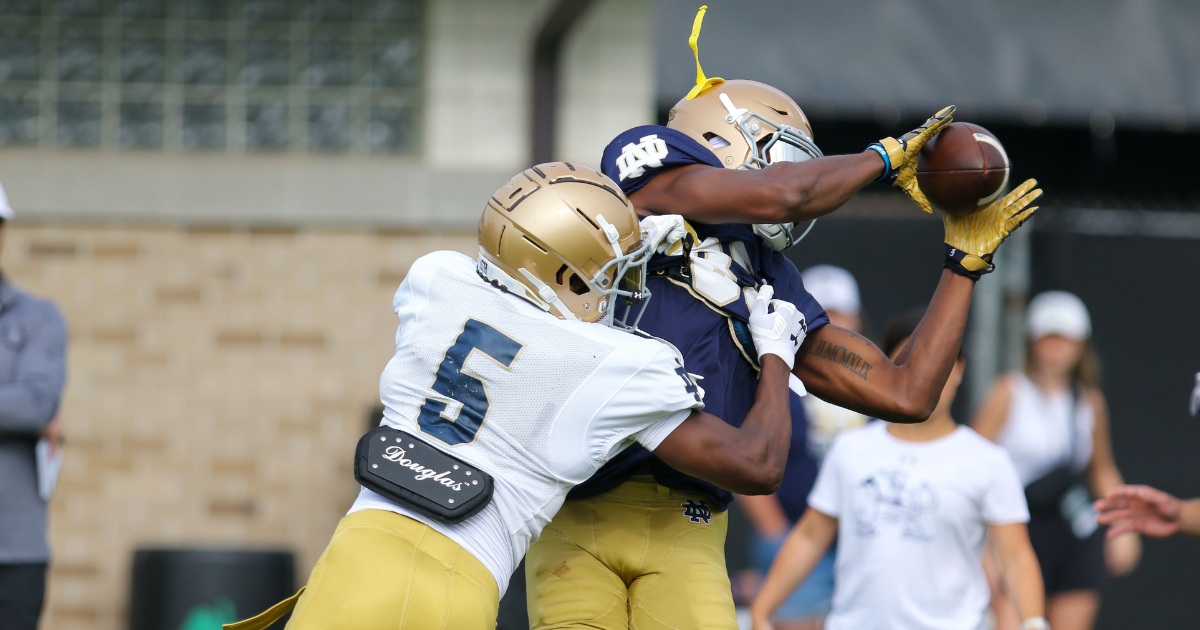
[(641, 545)]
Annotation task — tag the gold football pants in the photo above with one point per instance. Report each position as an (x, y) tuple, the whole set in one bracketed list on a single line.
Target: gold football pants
[(640, 557), (387, 571)]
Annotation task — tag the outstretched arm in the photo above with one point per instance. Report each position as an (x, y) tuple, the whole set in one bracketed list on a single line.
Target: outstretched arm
[(848, 370), (788, 191), (1149, 511), (783, 192)]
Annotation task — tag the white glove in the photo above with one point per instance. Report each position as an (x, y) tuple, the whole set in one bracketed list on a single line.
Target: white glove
[(776, 326), (663, 231)]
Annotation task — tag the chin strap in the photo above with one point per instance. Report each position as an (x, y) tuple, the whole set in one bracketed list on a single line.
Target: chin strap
[(611, 233), (548, 295), (614, 241)]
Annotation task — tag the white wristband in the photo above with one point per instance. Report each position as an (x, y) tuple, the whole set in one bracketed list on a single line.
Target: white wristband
[(1035, 623)]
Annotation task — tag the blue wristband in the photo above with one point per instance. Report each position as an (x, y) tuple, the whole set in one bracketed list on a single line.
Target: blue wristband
[(887, 163)]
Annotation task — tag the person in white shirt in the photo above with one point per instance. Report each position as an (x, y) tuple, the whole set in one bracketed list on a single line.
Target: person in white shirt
[(1052, 419), (910, 506)]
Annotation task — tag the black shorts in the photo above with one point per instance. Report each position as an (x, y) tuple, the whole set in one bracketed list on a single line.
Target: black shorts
[(1068, 563)]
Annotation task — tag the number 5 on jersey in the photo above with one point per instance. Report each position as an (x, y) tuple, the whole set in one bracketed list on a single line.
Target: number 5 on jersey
[(461, 386)]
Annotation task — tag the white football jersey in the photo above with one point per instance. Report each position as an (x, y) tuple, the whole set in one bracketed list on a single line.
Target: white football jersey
[(537, 402)]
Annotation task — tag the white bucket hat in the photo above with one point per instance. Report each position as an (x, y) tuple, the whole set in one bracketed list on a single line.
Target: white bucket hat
[(834, 289), (6, 211), (1058, 313)]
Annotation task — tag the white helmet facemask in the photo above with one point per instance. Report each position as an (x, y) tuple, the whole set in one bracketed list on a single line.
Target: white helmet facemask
[(786, 144)]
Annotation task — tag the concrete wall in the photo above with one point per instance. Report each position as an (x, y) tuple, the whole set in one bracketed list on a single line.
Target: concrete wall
[(219, 380), (608, 84), (479, 80), (476, 135), (478, 69)]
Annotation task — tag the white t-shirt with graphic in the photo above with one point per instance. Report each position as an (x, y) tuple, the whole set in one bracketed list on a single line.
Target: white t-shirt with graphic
[(912, 519)]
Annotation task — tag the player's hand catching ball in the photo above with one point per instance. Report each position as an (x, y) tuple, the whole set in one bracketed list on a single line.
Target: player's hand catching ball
[(972, 239), (900, 155), (776, 326)]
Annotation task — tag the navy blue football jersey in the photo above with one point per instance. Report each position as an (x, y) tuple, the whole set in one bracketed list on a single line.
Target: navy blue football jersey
[(702, 318)]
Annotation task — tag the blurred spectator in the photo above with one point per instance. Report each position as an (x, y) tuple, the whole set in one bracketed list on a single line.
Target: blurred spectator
[(910, 504), (1148, 511), (814, 425), (33, 341), (837, 291), (1053, 421)]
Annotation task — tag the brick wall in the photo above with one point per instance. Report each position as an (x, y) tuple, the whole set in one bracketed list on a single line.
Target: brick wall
[(218, 381)]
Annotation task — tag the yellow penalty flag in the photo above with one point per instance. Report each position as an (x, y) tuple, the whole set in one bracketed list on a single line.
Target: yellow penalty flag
[(702, 82)]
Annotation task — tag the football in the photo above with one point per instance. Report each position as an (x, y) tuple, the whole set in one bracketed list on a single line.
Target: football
[(963, 168)]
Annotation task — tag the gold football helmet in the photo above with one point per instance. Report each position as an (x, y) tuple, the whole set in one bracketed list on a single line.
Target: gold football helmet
[(565, 237), (748, 125)]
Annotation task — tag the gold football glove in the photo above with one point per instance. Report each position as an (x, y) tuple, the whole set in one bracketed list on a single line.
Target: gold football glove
[(900, 155), (972, 239)]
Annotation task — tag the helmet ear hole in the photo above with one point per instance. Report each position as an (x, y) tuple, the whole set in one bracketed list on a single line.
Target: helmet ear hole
[(578, 286), (558, 277), (715, 141)]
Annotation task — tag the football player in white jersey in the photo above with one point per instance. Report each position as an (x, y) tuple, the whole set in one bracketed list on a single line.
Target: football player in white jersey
[(510, 384)]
